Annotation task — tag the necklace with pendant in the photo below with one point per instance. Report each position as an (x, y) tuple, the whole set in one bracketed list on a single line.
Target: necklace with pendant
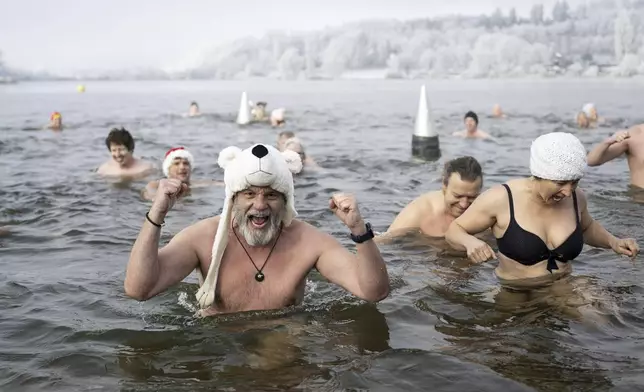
[(259, 276)]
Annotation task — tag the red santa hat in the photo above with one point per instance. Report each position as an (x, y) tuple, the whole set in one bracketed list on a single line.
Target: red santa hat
[(176, 152)]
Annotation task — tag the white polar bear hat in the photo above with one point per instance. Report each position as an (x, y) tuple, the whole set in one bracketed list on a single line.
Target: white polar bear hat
[(260, 165)]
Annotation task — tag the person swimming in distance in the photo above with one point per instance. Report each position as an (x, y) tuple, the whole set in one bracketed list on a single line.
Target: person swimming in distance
[(472, 131), (433, 212), (629, 142), (255, 255), (541, 222), (120, 144), (55, 122), (178, 164), (278, 117), (258, 112), (588, 117), (193, 110), (497, 112)]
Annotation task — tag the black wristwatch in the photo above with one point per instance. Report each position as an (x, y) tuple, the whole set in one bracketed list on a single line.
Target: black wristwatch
[(359, 239)]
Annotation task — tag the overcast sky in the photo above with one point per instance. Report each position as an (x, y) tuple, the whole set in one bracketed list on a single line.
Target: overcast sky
[(67, 35)]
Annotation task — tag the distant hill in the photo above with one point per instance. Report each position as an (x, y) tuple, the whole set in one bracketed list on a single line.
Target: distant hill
[(598, 39)]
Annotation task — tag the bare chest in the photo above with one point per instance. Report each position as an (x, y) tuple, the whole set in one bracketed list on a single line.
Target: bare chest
[(257, 282)]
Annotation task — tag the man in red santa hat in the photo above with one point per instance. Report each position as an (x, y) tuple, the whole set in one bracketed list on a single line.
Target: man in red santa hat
[(177, 164)]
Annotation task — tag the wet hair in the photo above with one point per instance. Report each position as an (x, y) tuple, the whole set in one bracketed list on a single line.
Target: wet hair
[(286, 134), (467, 167), (473, 116), (261, 104), (194, 103), (120, 137)]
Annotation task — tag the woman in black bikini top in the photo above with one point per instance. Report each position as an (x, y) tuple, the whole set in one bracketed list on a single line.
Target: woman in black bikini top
[(540, 220)]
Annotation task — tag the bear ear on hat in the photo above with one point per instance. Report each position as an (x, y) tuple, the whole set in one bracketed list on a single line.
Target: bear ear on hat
[(293, 161), (227, 155)]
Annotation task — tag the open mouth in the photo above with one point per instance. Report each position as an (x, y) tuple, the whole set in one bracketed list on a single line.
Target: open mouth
[(258, 222)]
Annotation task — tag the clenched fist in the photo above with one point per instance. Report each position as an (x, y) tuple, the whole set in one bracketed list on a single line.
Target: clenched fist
[(345, 207), (168, 192)]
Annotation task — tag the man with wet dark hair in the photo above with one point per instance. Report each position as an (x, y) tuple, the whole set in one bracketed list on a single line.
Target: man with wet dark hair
[(472, 130), (433, 212), (120, 144)]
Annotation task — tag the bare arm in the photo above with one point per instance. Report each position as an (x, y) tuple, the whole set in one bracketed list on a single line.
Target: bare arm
[(594, 233), (606, 151), (481, 215), (410, 217), (150, 270), (363, 274)]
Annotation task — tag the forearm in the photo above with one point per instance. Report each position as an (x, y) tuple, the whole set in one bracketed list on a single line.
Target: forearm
[(457, 237), (595, 235), (143, 268), (597, 155), (373, 278)]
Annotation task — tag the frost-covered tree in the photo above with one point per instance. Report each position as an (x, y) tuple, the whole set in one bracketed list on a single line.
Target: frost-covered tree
[(536, 14)]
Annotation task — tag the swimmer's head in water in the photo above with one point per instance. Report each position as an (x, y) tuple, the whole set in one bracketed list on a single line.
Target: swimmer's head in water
[(120, 143), (462, 183), (178, 163), (55, 120), (471, 121), (590, 111), (282, 138), (557, 163), (278, 117), (497, 111), (261, 105), (194, 108), (582, 120)]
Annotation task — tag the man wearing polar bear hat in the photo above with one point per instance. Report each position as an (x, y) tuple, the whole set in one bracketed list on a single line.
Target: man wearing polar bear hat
[(255, 255)]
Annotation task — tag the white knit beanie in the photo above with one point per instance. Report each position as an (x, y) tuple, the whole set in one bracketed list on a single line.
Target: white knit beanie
[(558, 156)]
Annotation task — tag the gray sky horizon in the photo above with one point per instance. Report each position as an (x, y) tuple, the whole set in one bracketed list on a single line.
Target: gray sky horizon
[(64, 36)]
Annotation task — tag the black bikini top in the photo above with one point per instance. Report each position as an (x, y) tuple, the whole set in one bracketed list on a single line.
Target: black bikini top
[(528, 248)]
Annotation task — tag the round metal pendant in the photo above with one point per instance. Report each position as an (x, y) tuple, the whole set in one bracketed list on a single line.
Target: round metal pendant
[(259, 277)]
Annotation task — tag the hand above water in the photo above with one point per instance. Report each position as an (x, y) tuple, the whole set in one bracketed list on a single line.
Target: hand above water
[(479, 251), (625, 246), (345, 207), (168, 192), (619, 137)]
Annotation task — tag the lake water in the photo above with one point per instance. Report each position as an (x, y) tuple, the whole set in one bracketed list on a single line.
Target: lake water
[(65, 238)]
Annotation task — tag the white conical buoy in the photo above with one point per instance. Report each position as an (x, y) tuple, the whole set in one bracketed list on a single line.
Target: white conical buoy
[(424, 142), (243, 116)]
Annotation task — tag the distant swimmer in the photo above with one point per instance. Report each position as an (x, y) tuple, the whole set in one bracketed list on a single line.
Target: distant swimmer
[(178, 164), (278, 117), (472, 131), (434, 211), (282, 138), (541, 222), (497, 112), (258, 112), (588, 117), (55, 121), (629, 142), (193, 110), (123, 164)]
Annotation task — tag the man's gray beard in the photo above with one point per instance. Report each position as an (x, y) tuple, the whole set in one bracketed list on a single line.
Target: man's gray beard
[(257, 237)]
